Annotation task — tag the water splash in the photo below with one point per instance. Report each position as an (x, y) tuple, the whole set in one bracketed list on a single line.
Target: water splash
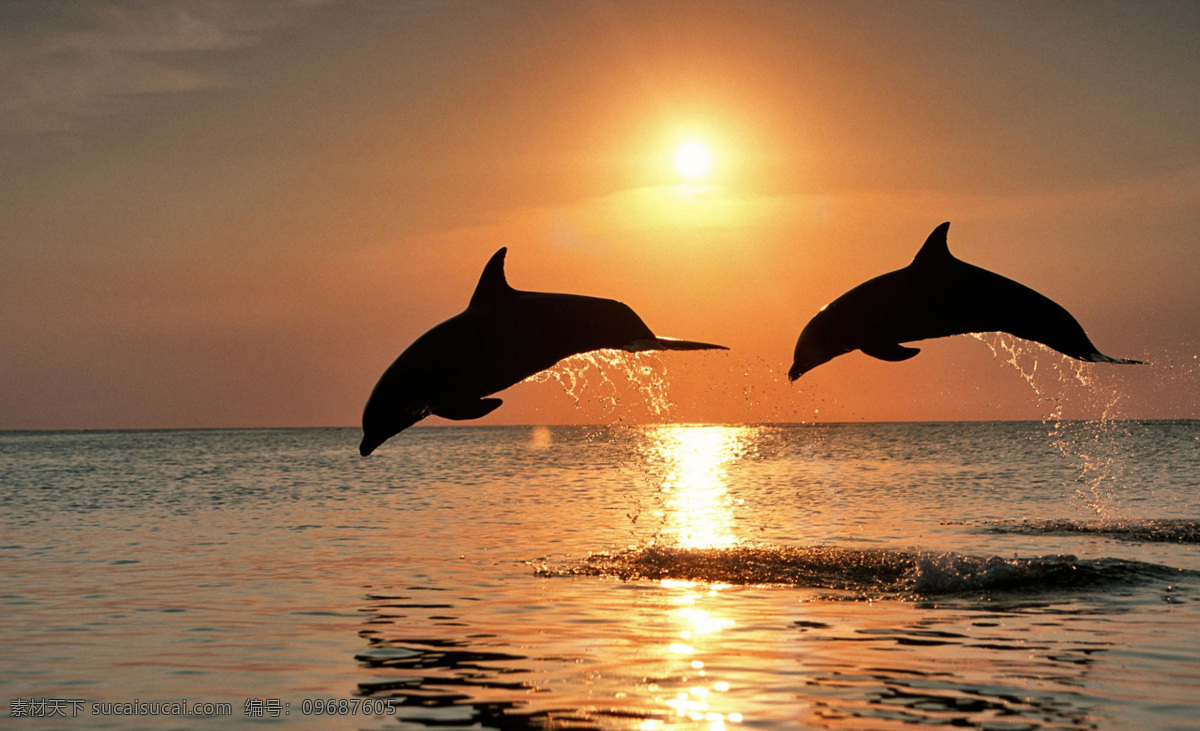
[(871, 573), (1093, 446), (1061, 381), (613, 379), (1165, 530)]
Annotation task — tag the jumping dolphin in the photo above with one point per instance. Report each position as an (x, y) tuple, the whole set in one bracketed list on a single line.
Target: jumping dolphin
[(933, 297), (503, 337)]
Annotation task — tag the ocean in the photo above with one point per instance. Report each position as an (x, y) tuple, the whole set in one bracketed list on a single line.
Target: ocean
[(1041, 575)]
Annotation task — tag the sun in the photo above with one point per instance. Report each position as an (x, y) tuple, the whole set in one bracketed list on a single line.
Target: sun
[(693, 160)]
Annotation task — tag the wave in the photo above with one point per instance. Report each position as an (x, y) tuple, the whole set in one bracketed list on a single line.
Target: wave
[(871, 571), (1142, 531)]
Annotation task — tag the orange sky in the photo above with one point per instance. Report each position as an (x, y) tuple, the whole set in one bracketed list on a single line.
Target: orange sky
[(226, 214)]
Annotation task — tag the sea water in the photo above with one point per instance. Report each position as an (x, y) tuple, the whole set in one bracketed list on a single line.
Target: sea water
[(978, 575)]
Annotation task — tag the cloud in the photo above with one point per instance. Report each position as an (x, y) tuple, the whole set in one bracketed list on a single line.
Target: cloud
[(62, 63)]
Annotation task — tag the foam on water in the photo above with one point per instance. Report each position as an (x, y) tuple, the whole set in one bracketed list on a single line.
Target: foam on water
[(1145, 531), (871, 572)]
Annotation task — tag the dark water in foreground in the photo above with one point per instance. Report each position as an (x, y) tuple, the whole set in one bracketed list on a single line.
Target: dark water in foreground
[(996, 576)]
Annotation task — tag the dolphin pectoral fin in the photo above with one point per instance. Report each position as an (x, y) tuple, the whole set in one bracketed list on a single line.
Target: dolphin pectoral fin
[(892, 352), (658, 343), (1102, 358), (468, 409)]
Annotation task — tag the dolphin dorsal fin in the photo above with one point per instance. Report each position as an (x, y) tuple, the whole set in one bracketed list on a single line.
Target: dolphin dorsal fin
[(492, 287), (935, 249)]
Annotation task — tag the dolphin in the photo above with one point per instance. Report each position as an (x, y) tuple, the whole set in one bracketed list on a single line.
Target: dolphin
[(935, 296), (503, 337)]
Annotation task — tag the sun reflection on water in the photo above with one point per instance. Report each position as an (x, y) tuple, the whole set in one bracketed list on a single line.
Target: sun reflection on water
[(698, 514), (698, 701), (698, 509)]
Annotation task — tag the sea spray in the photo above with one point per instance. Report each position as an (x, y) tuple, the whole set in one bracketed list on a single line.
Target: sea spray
[(1093, 446), (625, 387), (703, 387), (872, 573), (685, 464), (609, 377), (1155, 530)]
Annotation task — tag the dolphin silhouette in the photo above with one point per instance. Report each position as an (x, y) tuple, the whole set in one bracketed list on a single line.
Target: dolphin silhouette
[(935, 296), (503, 337)]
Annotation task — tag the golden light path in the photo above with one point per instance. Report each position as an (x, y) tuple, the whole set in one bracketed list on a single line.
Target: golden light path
[(698, 509), (698, 514)]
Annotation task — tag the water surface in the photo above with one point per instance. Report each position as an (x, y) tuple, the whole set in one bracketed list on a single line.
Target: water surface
[(999, 576)]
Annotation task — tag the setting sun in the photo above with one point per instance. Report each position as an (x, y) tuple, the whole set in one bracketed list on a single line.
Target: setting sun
[(693, 159)]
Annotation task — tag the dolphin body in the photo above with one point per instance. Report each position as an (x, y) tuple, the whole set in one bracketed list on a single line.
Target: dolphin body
[(933, 297), (503, 337)]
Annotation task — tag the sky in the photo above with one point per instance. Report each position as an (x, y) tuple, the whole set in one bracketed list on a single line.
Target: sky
[(217, 213)]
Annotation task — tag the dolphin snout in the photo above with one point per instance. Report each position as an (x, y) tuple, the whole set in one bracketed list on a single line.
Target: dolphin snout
[(368, 445)]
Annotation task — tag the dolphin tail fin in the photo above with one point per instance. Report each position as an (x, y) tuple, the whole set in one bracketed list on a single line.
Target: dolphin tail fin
[(1098, 357), (657, 343)]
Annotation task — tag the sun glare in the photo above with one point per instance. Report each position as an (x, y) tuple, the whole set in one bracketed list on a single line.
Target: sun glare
[(693, 160), (699, 507)]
